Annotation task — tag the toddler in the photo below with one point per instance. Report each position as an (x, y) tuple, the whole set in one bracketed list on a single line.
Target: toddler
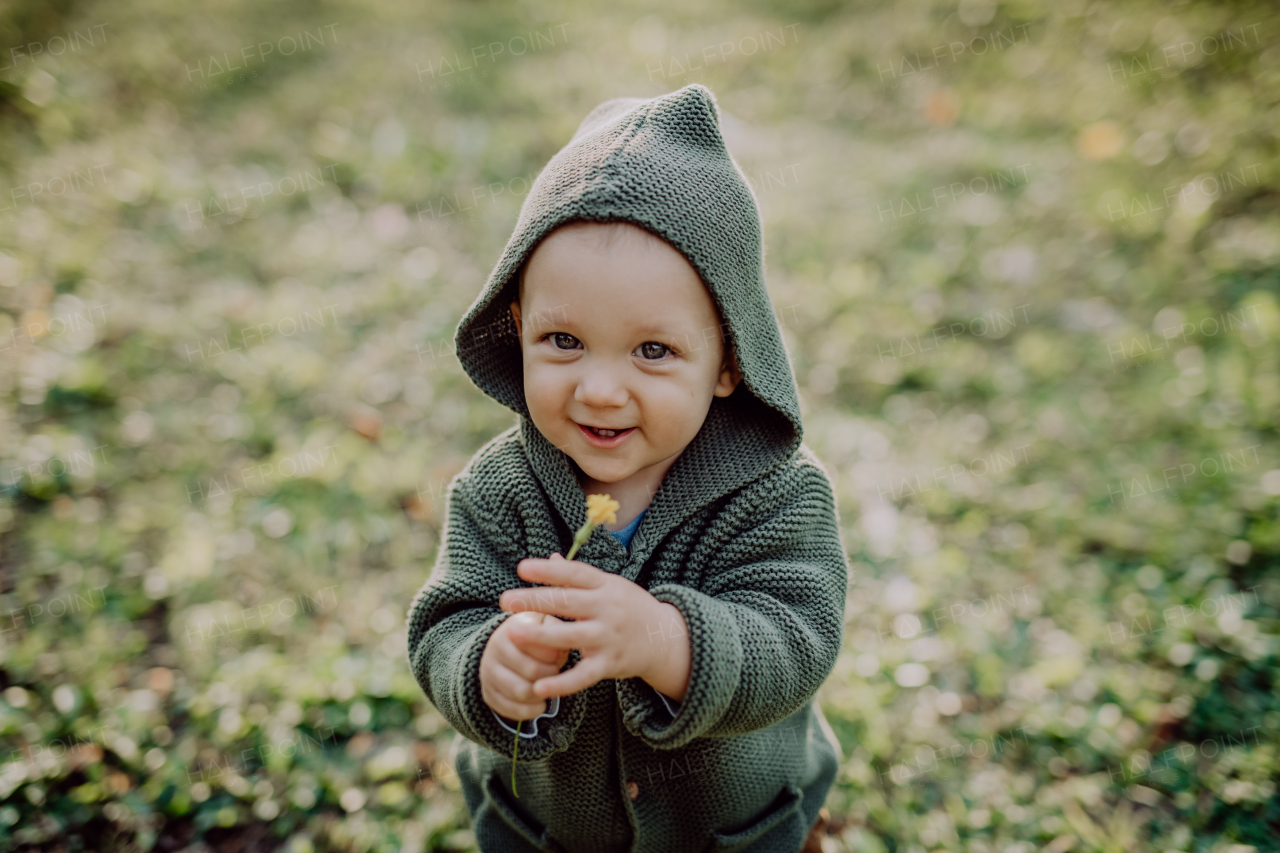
[(660, 687)]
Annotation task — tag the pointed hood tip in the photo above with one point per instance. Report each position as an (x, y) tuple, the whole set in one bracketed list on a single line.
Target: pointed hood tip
[(707, 96), (608, 112)]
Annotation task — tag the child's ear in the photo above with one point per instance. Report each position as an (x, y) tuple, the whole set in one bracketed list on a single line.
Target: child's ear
[(730, 376), (515, 315)]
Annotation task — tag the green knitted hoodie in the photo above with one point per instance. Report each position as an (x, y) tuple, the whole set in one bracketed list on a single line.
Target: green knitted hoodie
[(741, 536)]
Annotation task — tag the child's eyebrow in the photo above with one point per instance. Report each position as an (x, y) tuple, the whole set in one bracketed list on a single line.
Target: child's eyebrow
[(552, 317), (676, 330), (663, 332)]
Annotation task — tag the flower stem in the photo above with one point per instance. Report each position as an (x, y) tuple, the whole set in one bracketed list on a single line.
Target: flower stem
[(579, 539), (515, 749)]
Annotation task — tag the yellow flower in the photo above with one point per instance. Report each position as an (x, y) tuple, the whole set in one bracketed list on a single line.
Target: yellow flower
[(602, 509)]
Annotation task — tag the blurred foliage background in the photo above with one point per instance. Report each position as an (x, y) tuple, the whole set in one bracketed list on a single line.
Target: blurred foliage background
[(1025, 258)]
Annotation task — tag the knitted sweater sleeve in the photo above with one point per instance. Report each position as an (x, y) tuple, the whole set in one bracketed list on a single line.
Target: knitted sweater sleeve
[(764, 631), (530, 728), (454, 615)]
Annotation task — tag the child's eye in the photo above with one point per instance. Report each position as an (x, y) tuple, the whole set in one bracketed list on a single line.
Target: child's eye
[(564, 341), (653, 350)]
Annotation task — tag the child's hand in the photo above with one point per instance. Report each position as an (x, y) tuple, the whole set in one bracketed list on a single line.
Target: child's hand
[(620, 629), (509, 667)]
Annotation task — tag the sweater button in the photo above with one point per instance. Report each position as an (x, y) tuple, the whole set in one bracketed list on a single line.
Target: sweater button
[(633, 790)]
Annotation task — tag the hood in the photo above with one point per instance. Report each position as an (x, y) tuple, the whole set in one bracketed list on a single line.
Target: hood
[(660, 164)]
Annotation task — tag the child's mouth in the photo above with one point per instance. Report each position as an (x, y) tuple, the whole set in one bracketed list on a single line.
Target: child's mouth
[(603, 437)]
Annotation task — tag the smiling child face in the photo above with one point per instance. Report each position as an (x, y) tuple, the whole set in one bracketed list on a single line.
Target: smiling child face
[(622, 349)]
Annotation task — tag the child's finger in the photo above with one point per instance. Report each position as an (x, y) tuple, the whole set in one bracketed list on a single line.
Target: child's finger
[(532, 661), (558, 634), (586, 673), (527, 641), (512, 708), (539, 652), (512, 686), (561, 572), (547, 655), (524, 665), (507, 693), (519, 710), (557, 601)]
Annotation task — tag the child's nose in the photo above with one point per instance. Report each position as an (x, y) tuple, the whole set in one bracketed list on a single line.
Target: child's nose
[(601, 387)]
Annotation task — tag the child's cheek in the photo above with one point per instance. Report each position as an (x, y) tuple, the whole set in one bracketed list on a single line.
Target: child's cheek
[(548, 396)]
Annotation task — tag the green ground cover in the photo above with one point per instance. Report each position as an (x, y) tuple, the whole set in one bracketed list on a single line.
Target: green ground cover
[(1026, 261)]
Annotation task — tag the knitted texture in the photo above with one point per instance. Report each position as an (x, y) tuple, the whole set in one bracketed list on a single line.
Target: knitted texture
[(741, 537)]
